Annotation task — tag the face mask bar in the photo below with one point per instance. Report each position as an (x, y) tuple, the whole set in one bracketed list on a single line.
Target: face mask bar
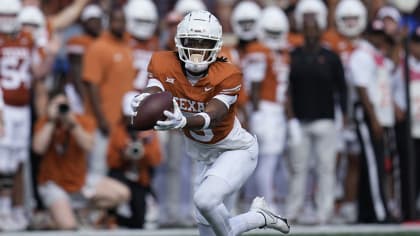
[(198, 51)]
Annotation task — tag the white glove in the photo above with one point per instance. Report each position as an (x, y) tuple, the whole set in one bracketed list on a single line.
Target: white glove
[(174, 120), (295, 132), (137, 100)]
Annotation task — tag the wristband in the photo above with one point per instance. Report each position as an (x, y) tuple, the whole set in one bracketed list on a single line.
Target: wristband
[(206, 118)]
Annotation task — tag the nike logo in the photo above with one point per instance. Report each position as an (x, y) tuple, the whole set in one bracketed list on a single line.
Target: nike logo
[(170, 80), (206, 89)]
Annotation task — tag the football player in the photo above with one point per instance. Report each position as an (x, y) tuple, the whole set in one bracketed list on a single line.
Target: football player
[(142, 20), (351, 20), (21, 63), (273, 31), (205, 90)]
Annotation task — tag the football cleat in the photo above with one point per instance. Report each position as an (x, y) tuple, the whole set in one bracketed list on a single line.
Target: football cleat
[(272, 220)]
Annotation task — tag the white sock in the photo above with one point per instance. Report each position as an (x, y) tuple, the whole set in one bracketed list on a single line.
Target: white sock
[(205, 230), (5, 205), (245, 222), (219, 220)]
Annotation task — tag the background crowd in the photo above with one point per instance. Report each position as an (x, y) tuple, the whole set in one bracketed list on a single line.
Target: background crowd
[(330, 89)]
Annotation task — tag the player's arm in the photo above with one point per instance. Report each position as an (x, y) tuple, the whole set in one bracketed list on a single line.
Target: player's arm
[(42, 64), (370, 112), (256, 73), (95, 102), (67, 16), (214, 112)]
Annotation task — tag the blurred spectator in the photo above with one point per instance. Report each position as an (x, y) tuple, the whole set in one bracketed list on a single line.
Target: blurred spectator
[(63, 139), (254, 60), (414, 92), (58, 20), (185, 6), (350, 21), (273, 30), (142, 24), (22, 65), (108, 72), (171, 21), (316, 79), (371, 72), (142, 21), (132, 157), (91, 21)]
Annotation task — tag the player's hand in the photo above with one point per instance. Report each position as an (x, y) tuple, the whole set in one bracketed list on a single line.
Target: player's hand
[(295, 132), (175, 120), (136, 101)]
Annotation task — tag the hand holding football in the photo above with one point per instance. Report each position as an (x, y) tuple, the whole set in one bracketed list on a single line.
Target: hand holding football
[(151, 110)]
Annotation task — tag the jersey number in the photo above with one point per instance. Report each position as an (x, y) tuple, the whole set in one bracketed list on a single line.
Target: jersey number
[(14, 72)]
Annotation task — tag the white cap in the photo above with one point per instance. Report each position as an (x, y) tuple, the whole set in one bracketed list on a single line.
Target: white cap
[(391, 12), (91, 11), (126, 103)]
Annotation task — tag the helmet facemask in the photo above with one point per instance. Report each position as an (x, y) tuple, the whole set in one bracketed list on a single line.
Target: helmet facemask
[(8, 23), (141, 28), (197, 53), (274, 39)]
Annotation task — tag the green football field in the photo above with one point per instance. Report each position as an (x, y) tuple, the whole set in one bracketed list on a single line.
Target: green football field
[(348, 230)]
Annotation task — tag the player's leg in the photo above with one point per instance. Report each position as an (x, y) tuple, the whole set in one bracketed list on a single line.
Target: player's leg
[(325, 149), (271, 145), (22, 189), (265, 177), (6, 185), (58, 203), (19, 196), (220, 179), (299, 164), (105, 192)]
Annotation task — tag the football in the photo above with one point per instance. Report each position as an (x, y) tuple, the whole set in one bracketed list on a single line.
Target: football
[(151, 110)]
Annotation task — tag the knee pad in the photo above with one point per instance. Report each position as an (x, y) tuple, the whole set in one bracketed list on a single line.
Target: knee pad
[(207, 200)]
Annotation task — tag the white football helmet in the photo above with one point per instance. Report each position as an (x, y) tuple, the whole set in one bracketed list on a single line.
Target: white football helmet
[(316, 7), (9, 10), (406, 6), (183, 7), (142, 18), (33, 16), (198, 40), (350, 17), (244, 20), (273, 28)]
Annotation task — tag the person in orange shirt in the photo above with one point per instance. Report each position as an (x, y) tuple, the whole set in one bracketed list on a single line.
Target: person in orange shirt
[(108, 73), (63, 139), (91, 18), (132, 156)]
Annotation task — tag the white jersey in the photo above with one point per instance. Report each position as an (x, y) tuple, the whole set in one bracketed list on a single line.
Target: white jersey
[(237, 139), (414, 66), (370, 69), (141, 62)]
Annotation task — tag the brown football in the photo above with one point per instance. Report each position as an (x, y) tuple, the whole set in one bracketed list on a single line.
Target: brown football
[(151, 110)]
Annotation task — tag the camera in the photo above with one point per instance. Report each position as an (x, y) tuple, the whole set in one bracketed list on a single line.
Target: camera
[(63, 108), (135, 150)]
